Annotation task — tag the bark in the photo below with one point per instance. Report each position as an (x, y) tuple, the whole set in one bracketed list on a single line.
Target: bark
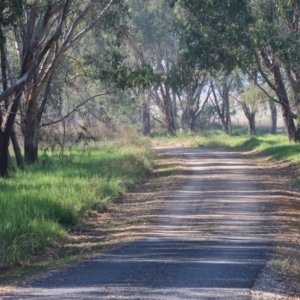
[(288, 116), (280, 90), (4, 142), (169, 113), (289, 124), (250, 115), (17, 150), (10, 164), (146, 116), (227, 120), (223, 110), (273, 119), (13, 136), (30, 140), (252, 125), (186, 119)]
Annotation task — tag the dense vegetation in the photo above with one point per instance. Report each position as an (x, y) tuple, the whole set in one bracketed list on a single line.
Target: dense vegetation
[(40, 205), (180, 64), (76, 72)]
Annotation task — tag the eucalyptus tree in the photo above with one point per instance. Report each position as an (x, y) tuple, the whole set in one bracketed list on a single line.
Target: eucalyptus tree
[(154, 42), (221, 89), (82, 18), (250, 100), (261, 35), (191, 86), (45, 32)]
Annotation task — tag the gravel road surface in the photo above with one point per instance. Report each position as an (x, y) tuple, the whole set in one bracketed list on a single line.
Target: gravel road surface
[(211, 242)]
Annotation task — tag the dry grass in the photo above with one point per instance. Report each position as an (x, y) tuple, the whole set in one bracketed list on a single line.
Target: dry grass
[(282, 180)]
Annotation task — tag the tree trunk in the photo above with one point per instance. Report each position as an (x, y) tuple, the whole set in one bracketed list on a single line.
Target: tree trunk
[(224, 110), (228, 128), (285, 106), (10, 164), (175, 110), (193, 124), (17, 150), (169, 114), (250, 115), (30, 139), (185, 119), (4, 142), (289, 124), (273, 119), (280, 90), (252, 125), (146, 116)]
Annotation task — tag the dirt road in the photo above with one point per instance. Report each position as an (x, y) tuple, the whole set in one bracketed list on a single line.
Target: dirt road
[(211, 241)]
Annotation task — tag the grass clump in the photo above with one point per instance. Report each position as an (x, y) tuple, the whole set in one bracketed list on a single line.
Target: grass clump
[(39, 206)]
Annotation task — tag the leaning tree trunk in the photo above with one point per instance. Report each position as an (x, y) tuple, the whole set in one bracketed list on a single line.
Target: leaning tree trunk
[(273, 119), (280, 90), (287, 114), (289, 124), (17, 150)]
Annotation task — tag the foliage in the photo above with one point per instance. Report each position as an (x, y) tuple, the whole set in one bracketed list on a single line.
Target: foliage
[(41, 204), (215, 32), (10, 11)]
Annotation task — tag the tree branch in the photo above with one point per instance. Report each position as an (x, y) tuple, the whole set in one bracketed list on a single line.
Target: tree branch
[(75, 109)]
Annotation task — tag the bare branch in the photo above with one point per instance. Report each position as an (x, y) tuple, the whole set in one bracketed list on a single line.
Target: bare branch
[(75, 109)]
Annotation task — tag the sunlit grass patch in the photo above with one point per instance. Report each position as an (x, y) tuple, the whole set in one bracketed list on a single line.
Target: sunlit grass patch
[(39, 205)]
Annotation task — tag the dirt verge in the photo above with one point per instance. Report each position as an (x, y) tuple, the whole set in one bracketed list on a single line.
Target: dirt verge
[(280, 279)]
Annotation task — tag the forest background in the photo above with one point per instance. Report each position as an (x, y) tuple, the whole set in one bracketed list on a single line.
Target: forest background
[(76, 73)]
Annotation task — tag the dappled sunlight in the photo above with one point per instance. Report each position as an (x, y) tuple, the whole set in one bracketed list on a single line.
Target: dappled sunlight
[(211, 240)]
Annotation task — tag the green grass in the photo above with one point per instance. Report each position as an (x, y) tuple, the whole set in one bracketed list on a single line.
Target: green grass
[(39, 206), (275, 146)]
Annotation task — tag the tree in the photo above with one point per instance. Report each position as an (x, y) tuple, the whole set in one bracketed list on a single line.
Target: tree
[(10, 11), (39, 87), (221, 100), (192, 90), (154, 43), (251, 98), (253, 35)]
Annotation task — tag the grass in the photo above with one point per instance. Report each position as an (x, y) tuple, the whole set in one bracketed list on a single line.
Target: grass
[(39, 206), (275, 146)]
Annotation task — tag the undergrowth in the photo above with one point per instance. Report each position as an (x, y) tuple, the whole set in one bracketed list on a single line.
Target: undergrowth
[(39, 206)]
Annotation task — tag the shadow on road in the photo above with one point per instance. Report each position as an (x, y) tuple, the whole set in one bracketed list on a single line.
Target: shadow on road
[(211, 241)]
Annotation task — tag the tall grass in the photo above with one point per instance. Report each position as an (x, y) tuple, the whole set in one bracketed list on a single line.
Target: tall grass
[(39, 205)]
